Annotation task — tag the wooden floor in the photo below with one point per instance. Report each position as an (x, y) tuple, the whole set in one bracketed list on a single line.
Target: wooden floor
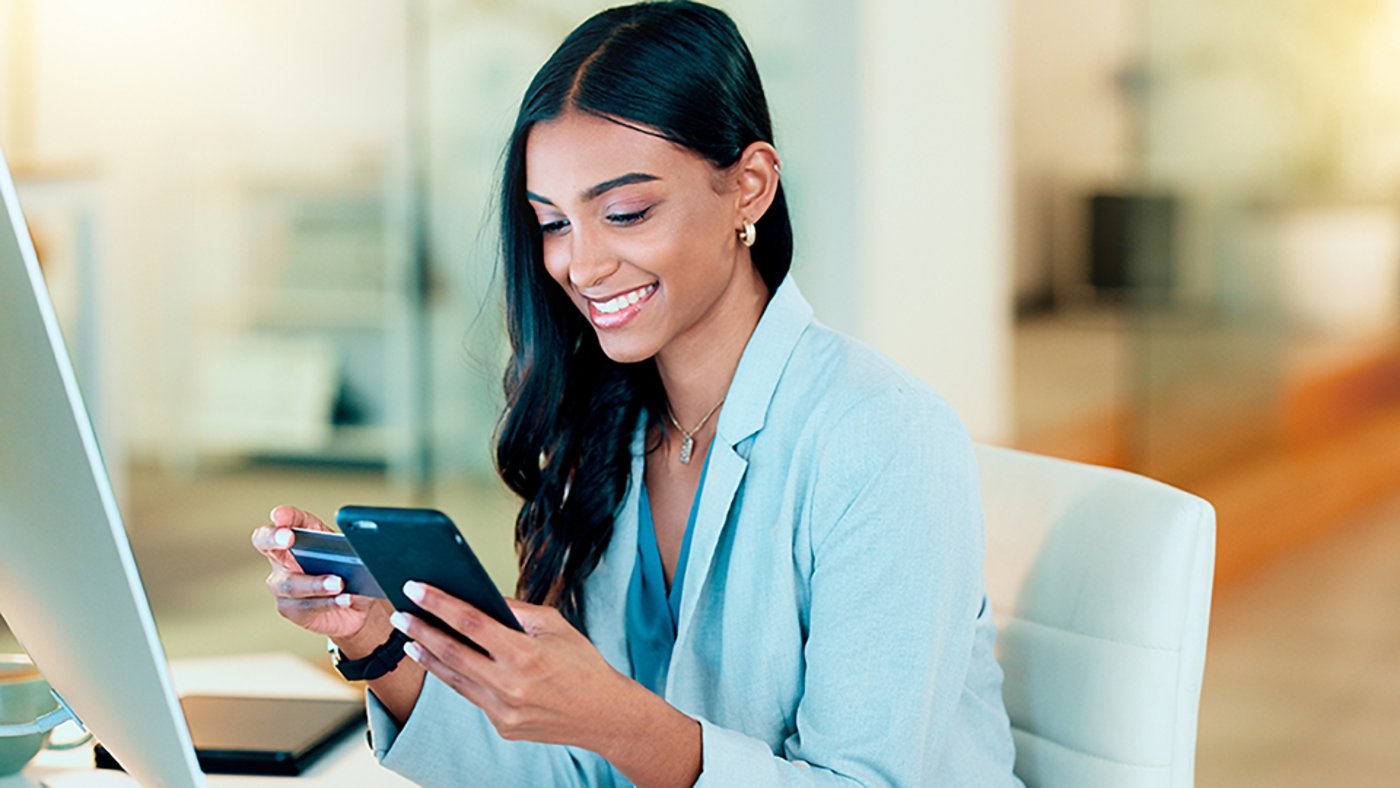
[(1302, 684)]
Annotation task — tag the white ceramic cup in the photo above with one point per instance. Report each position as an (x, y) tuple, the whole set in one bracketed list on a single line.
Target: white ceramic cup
[(24, 697)]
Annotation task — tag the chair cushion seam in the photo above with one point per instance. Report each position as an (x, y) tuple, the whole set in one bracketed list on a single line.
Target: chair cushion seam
[(1114, 641), (1093, 756)]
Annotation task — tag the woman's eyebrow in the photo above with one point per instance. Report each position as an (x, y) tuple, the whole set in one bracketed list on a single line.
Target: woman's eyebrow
[(594, 192)]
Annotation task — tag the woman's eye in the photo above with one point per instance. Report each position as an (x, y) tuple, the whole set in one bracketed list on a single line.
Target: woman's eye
[(554, 227), (628, 218)]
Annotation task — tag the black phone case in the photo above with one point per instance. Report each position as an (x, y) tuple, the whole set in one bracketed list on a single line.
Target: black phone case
[(398, 545)]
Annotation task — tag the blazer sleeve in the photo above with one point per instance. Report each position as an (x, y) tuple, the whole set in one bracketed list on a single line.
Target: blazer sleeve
[(897, 543), (448, 741)]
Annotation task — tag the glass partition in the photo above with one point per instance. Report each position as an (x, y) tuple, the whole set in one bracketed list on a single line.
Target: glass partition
[(1272, 351), (1207, 257)]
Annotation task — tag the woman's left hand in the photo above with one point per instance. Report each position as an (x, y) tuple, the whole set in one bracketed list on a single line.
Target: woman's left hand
[(545, 684)]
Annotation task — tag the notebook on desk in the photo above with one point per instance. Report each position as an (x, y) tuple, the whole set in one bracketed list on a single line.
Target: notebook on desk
[(250, 735)]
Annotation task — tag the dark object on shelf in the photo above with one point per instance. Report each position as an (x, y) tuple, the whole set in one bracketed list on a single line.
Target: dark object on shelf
[(349, 405), (1132, 242)]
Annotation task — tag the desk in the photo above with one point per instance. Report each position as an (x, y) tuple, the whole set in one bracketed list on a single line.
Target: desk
[(349, 763)]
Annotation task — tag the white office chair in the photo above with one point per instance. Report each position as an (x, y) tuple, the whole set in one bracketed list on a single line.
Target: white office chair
[(1100, 581)]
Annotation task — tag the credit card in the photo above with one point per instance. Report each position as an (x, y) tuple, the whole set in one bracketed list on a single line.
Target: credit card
[(325, 553)]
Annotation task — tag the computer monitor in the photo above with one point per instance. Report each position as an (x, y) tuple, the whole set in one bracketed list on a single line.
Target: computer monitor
[(69, 588)]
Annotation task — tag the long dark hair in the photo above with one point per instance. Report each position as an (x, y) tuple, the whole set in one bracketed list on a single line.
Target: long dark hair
[(679, 70)]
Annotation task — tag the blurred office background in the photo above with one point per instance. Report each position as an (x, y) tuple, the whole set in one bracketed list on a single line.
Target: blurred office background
[(1156, 234)]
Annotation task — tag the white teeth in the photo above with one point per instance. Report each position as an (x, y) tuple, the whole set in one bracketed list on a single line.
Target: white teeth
[(625, 300)]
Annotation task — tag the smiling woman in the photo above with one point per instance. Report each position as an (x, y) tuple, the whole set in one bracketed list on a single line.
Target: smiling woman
[(641, 149), (668, 231), (803, 606)]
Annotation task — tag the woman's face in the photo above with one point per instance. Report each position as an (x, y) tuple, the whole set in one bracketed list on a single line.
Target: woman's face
[(640, 232)]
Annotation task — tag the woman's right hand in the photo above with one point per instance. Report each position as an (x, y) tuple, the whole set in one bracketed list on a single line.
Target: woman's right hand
[(316, 603)]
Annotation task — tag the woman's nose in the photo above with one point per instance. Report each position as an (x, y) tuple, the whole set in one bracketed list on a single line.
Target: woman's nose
[(591, 263)]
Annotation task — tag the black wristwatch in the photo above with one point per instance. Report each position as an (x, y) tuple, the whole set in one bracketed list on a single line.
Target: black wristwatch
[(373, 665)]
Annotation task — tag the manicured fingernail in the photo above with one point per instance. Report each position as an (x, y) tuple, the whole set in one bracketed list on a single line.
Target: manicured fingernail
[(333, 583), (413, 590), (343, 600), (413, 651), (282, 538), (399, 621), (272, 515)]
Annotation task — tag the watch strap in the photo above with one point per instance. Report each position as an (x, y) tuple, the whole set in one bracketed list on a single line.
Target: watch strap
[(373, 665)]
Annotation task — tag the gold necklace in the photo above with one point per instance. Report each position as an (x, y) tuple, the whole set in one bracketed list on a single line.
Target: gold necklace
[(688, 437)]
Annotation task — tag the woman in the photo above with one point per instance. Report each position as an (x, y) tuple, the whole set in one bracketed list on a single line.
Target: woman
[(750, 548)]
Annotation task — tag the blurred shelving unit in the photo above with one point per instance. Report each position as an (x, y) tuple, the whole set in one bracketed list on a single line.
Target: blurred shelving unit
[(314, 360)]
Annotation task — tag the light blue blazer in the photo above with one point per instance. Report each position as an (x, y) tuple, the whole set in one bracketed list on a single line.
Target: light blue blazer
[(833, 628)]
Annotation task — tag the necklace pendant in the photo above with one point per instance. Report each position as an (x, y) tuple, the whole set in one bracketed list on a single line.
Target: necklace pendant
[(687, 445)]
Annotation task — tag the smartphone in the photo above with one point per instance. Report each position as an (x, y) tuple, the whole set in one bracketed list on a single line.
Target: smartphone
[(326, 553), (398, 545)]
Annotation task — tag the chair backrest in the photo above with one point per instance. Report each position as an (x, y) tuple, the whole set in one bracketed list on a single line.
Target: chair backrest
[(1100, 582)]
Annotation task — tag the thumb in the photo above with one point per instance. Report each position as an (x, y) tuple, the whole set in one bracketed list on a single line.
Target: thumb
[(291, 517)]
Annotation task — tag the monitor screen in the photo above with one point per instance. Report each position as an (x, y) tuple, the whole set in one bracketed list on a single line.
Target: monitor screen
[(69, 588)]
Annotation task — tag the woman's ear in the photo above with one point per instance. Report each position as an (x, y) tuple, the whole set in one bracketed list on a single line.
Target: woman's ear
[(757, 173)]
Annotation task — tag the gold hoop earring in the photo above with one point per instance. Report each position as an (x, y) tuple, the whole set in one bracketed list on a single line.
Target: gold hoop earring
[(748, 234)]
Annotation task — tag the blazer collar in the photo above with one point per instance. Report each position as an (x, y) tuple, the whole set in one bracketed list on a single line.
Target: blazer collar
[(765, 356)]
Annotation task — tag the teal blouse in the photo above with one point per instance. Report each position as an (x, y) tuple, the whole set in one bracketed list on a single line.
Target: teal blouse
[(653, 613)]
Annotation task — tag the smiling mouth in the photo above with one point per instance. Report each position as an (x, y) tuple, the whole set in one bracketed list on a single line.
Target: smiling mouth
[(621, 308)]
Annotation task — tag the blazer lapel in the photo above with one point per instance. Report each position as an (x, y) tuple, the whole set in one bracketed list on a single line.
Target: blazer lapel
[(607, 585), (746, 406), (722, 481)]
